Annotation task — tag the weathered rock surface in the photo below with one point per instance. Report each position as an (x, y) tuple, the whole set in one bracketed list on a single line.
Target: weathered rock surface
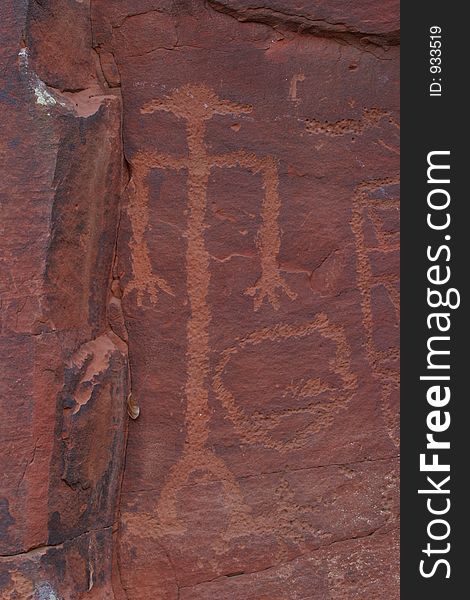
[(64, 372), (244, 256)]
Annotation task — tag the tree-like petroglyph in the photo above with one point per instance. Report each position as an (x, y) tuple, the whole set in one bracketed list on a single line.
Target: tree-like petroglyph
[(375, 201), (195, 105)]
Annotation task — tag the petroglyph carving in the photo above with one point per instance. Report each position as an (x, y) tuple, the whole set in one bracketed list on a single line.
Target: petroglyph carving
[(325, 402), (319, 412), (293, 97), (373, 201), (198, 458), (196, 104), (370, 118), (144, 281)]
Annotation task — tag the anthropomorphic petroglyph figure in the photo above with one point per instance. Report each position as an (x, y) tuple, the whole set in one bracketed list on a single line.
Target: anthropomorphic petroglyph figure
[(195, 105), (374, 202)]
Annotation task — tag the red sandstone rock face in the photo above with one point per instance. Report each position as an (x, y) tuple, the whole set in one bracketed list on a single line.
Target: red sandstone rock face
[(64, 372), (259, 260), (256, 262)]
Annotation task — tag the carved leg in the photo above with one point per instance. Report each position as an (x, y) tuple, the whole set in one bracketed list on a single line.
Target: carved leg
[(144, 281)]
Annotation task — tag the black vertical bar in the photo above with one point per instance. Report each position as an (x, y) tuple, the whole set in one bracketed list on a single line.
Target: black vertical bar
[(433, 123)]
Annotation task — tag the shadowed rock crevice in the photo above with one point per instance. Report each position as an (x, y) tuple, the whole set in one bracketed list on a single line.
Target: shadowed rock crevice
[(281, 14)]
